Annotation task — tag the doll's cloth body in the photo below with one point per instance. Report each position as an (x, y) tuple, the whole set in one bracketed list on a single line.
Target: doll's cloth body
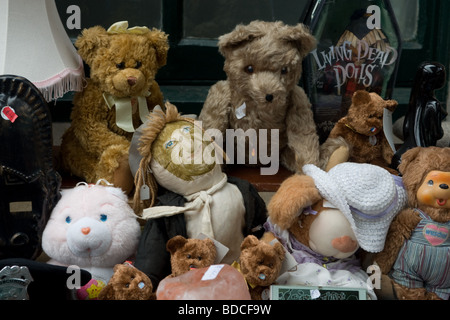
[(317, 270), (424, 259)]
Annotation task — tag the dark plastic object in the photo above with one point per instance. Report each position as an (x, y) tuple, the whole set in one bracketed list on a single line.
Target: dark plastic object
[(29, 186), (423, 121)]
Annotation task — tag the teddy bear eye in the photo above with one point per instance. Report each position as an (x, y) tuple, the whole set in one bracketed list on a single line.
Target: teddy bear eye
[(188, 256), (199, 258), (284, 70), (138, 64), (431, 182), (249, 69), (121, 65), (68, 219), (103, 217)]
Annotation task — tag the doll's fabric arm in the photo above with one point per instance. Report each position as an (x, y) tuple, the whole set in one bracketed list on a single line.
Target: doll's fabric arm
[(217, 107), (301, 130), (295, 193)]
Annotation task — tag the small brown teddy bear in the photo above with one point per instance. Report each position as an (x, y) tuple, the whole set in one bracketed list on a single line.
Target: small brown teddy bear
[(187, 254), (116, 100), (362, 129), (127, 283), (260, 263), (417, 246), (263, 63)]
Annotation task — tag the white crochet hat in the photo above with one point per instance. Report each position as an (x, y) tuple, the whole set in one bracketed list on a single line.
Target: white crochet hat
[(368, 195)]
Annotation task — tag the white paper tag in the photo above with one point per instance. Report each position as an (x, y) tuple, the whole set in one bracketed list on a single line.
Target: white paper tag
[(315, 294), (212, 272), (387, 128), (241, 111), (145, 192)]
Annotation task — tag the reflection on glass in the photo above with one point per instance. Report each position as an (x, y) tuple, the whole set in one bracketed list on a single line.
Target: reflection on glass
[(209, 19)]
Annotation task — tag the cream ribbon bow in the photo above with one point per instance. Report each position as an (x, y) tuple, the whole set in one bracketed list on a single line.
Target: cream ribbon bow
[(199, 201), (122, 27), (124, 110)]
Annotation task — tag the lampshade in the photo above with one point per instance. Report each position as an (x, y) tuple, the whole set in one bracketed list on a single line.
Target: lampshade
[(34, 45)]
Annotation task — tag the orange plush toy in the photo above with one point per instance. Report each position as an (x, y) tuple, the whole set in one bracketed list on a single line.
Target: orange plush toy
[(417, 249), (362, 129)]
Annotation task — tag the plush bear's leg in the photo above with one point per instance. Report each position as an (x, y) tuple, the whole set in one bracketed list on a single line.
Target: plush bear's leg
[(113, 167), (404, 293)]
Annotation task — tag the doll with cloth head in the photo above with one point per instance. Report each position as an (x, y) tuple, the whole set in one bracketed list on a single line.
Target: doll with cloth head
[(323, 218), (196, 196)]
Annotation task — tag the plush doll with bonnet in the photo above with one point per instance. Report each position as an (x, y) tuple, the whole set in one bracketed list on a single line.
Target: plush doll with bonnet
[(171, 154), (323, 218), (92, 227)]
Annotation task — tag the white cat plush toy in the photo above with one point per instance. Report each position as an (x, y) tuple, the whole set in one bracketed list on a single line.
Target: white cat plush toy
[(94, 228)]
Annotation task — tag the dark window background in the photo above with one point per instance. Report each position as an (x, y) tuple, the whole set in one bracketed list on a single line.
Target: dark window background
[(194, 63)]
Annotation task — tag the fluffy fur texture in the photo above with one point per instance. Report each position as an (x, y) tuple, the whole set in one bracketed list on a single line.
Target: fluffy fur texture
[(416, 165), (263, 63), (362, 129), (91, 226), (122, 65), (127, 283), (260, 263), (186, 254)]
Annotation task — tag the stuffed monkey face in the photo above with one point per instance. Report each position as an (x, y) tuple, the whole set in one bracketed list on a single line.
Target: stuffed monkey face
[(180, 149), (435, 190)]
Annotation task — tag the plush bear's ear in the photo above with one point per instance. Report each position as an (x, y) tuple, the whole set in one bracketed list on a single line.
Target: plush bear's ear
[(89, 41), (159, 41), (301, 37), (249, 241), (279, 249), (361, 97), (391, 105), (240, 35), (408, 157), (175, 243)]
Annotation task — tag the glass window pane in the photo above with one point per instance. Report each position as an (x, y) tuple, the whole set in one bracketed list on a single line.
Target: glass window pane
[(106, 12), (211, 18), (407, 14)]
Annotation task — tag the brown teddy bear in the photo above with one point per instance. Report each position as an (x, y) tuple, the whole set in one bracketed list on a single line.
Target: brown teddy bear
[(260, 263), (116, 100), (127, 283), (323, 218), (417, 250), (362, 129), (187, 254), (263, 64)]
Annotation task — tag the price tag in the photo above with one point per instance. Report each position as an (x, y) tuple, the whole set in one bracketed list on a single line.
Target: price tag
[(8, 113)]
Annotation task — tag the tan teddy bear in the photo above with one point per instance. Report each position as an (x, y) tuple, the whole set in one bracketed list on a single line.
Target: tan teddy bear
[(263, 63), (362, 129), (116, 100), (187, 254), (260, 263)]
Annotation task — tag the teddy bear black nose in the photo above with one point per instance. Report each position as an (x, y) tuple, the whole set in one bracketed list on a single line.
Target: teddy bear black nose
[(443, 186), (269, 97)]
